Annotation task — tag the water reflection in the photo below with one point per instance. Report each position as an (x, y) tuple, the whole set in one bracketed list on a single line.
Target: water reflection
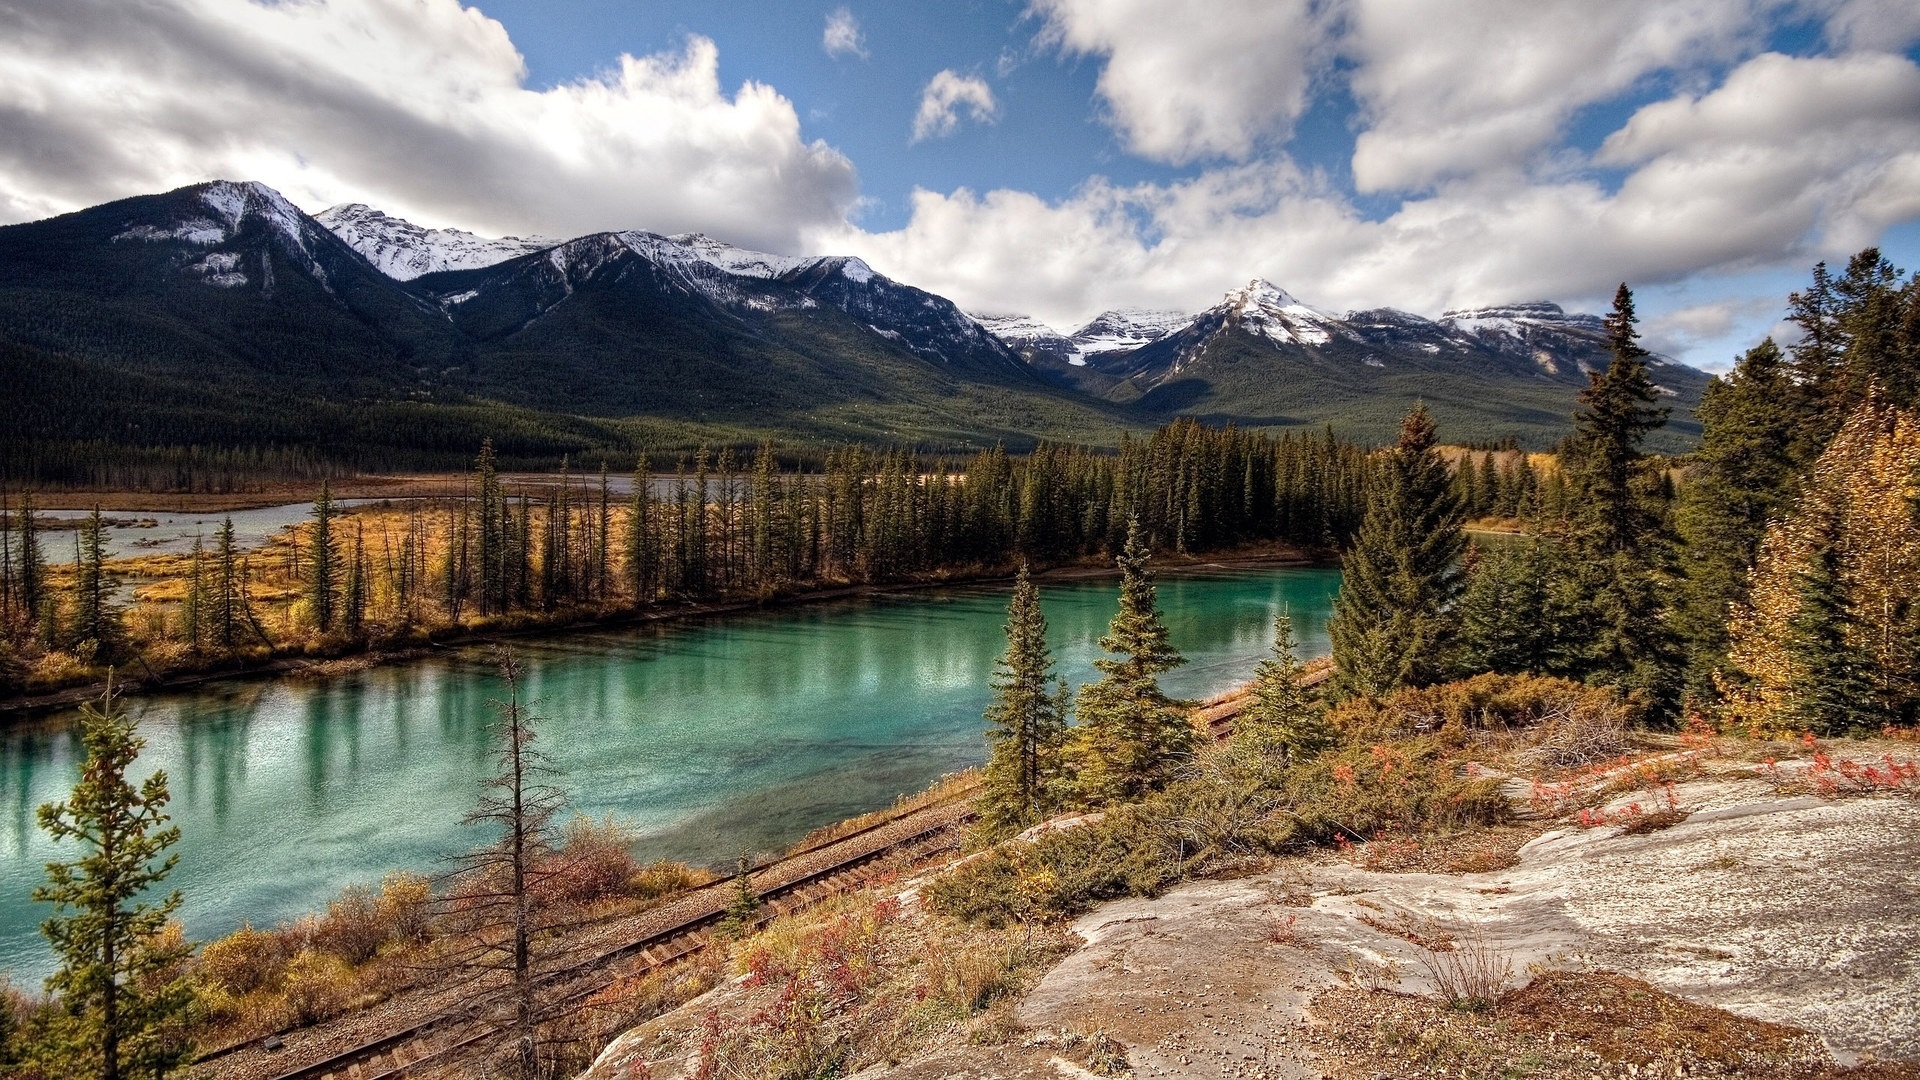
[(738, 732)]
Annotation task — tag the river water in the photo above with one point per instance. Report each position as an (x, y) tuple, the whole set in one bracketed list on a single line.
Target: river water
[(714, 736)]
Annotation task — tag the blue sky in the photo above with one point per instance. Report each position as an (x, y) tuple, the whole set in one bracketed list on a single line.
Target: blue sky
[(1072, 155)]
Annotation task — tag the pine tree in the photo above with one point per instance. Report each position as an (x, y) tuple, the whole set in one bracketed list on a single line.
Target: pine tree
[(1132, 738), (226, 589), (96, 622), (323, 569), (1621, 533), (1282, 723), (122, 991), (31, 578), (193, 609), (1743, 475), (353, 613), (1027, 725), (1604, 457), (1833, 689), (1394, 625)]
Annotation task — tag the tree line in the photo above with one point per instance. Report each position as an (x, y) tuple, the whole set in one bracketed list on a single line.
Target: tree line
[(1771, 589), (721, 526)]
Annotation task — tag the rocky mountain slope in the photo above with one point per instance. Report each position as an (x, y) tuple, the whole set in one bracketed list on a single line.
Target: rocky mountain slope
[(222, 315), (1261, 356)]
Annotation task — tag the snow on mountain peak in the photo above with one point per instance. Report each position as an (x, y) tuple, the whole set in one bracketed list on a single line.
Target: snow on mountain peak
[(1270, 311), (404, 251), (735, 260)]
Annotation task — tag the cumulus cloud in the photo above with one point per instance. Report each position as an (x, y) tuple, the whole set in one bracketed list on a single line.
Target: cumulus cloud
[(943, 98), (1881, 25), (1452, 88), (1732, 178), (418, 106), (842, 36), (1186, 80)]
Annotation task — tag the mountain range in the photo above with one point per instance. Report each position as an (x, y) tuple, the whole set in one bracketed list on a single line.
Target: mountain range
[(222, 315)]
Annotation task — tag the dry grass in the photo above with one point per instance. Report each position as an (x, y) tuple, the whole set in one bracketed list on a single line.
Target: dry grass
[(1562, 1026), (853, 983), (947, 788)]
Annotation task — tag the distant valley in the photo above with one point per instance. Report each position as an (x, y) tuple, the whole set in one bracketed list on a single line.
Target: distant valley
[(220, 315)]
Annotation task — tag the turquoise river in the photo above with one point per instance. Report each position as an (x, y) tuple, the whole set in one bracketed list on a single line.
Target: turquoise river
[(711, 736)]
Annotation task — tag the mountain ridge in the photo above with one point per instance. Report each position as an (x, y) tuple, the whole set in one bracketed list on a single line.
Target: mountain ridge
[(226, 315)]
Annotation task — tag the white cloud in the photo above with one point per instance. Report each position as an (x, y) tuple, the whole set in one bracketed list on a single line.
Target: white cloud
[(418, 106), (1187, 80), (842, 36), (1452, 88), (1884, 25), (943, 98), (1712, 184)]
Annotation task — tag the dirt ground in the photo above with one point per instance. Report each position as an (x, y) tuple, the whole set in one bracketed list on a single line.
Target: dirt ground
[(1762, 935)]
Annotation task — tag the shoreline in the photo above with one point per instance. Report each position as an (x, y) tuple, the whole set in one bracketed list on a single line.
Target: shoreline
[(26, 708)]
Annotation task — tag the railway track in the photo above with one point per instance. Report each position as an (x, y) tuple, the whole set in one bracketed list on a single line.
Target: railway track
[(448, 1031), (785, 885)]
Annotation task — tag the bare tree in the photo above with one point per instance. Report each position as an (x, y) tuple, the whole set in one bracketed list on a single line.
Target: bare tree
[(497, 887)]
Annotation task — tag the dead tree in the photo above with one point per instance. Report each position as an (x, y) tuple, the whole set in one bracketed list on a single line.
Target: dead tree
[(497, 888)]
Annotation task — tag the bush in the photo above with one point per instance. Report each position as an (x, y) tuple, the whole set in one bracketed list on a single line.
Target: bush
[(244, 961), (1565, 722), (594, 862), (319, 986), (1225, 811)]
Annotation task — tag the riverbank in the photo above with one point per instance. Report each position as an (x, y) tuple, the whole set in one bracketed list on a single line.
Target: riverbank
[(17, 708)]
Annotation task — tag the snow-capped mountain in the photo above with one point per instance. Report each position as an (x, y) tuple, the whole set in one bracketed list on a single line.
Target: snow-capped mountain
[(1124, 329), (1119, 330), (404, 251), (219, 214), (743, 284), (225, 300)]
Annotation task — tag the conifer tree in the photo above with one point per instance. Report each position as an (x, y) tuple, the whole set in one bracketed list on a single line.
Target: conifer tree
[(1027, 724), (1282, 724), (1132, 738), (1621, 532), (323, 569), (31, 578), (193, 609), (225, 616), (122, 993), (1605, 459), (1833, 689), (96, 622), (1743, 475), (354, 595), (1394, 625), (643, 557)]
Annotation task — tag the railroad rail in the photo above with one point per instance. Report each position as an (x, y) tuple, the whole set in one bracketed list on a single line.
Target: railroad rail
[(783, 886)]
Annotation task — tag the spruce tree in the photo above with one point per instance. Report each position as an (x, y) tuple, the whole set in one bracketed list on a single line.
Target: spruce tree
[(1833, 688), (1282, 724), (1394, 625), (1605, 459), (1621, 535), (31, 578), (226, 613), (323, 569), (121, 992), (1027, 724), (96, 621), (1132, 738), (1743, 475)]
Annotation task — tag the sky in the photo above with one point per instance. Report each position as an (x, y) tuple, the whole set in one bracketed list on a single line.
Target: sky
[(1054, 158)]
